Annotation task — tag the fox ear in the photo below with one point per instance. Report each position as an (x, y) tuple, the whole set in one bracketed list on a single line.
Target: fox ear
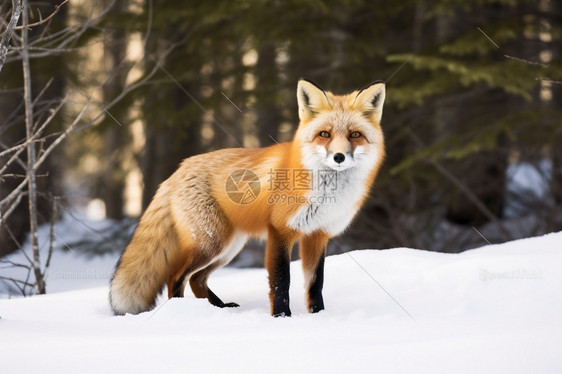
[(371, 99), (311, 99)]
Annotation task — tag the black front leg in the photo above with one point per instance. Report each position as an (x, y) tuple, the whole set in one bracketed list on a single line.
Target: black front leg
[(279, 283), (315, 300), (278, 264), (313, 253)]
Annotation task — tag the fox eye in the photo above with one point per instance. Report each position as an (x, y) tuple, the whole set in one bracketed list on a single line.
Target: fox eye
[(355, 134), (324, 134)]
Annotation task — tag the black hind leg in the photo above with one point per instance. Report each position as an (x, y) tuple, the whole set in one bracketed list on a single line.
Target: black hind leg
[(198, 283)]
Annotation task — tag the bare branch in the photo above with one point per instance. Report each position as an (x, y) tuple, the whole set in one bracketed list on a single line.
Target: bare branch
[(15, 194), (28, 267), (13, 264), (21, 285), (15, 280), (54, 215), (12, 236), (14, 157), (44, 20), (34, 138), (61, 39), (60, 138)]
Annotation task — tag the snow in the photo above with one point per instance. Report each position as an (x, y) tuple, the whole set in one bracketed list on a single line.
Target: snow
[(528, 187), (495, 309)]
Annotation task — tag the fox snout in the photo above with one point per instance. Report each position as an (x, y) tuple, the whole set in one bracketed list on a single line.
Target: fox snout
[(339, 154), (339, 160)]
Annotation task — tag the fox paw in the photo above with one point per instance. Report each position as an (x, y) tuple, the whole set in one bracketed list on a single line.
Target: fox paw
[(230, 305)]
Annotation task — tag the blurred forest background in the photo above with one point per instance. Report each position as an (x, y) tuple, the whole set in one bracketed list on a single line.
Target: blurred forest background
[(473, 117)]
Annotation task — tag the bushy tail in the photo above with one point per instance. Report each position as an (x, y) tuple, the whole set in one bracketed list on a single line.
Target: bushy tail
[(143, 268)]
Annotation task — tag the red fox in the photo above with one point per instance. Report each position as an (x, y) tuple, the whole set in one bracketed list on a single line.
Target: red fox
[(307, 190)]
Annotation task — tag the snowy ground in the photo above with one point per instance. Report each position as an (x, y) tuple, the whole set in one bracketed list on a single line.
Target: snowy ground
[(497, 309)]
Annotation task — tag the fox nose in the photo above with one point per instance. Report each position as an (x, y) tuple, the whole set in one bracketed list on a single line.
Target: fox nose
[(339, 158)]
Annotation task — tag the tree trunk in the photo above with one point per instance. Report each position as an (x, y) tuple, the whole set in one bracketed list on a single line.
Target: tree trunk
[(117, 132), (31, 172), (267, 108)]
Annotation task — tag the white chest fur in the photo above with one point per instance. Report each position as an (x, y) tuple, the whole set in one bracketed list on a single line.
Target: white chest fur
[(333, 201)]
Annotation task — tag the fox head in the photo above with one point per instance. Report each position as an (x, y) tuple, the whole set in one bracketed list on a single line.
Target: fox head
[(340, 132)]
